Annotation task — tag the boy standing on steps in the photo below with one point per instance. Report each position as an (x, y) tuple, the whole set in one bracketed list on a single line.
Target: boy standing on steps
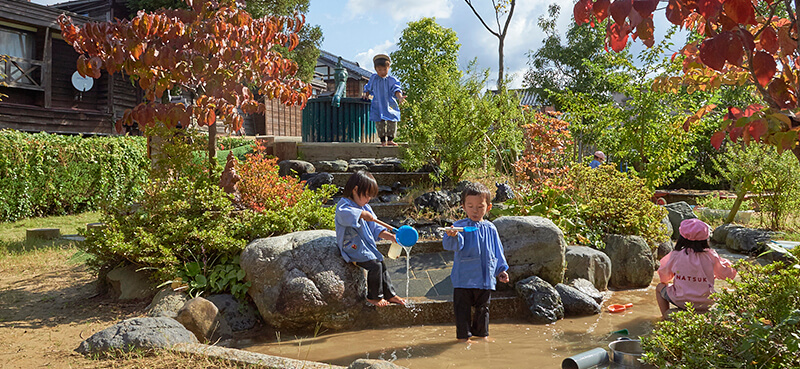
[(386, 99), (478, 263)]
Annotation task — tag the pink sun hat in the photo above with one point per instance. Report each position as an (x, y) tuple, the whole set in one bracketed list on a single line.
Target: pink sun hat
[(694, 230), (600, 155)]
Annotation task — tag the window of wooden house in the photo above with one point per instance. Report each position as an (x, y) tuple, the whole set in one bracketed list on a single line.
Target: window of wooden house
[(18, 47)]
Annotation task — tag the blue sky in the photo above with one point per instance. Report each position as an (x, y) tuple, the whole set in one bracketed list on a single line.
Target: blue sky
[(358, 29)]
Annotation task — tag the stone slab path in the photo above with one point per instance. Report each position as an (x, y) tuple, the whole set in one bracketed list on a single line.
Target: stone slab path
[(429, 275)]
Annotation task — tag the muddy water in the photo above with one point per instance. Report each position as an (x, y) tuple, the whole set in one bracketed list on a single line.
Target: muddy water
[(516, 343)]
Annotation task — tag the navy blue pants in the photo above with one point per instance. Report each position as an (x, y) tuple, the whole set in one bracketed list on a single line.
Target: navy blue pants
[(469, 324), (378, 282)]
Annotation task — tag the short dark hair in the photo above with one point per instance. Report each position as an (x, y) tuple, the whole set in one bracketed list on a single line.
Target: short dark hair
[(696, 246), (367, 186), (381, 62), (476, 189)]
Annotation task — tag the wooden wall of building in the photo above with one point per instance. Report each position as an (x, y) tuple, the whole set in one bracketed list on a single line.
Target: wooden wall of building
[(279, 120)]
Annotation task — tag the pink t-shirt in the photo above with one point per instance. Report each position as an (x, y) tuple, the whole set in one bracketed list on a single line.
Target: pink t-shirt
[(693, 274)]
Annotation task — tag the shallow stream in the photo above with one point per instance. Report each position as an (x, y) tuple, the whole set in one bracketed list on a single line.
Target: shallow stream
[(516, 343)]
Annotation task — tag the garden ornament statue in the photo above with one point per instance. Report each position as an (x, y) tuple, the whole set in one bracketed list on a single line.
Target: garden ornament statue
[(229, 180), (340, 77), (503, 193)]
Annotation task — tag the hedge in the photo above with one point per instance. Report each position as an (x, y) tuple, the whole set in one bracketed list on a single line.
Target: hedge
[(43, 174)]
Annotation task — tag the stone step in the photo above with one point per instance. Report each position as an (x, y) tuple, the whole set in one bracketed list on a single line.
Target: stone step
[(390, 210), (406, 179), (422, 247), (314, 151), (440, 311)]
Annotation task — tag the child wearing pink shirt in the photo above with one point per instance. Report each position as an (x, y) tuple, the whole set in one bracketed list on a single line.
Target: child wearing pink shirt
[(691, 268)]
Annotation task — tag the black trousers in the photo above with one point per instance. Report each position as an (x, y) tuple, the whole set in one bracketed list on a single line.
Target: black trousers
[(467, 323), (378, 282)]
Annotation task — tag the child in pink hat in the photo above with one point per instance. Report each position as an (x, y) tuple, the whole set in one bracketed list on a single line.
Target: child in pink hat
[(691, 268)]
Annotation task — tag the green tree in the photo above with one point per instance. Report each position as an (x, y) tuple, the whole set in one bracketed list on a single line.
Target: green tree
[(305, 54), (447, 119)]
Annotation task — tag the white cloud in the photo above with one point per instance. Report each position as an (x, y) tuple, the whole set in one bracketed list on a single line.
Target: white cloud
[(365, 58), (402, 10)]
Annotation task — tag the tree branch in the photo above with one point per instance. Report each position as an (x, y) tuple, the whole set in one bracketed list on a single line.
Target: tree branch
[(469, 2), (511, 13)]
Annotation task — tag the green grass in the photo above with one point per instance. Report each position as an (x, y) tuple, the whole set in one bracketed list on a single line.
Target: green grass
[(12, 234)]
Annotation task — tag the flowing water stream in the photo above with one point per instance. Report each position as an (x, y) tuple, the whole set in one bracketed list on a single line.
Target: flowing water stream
[(517, 344)]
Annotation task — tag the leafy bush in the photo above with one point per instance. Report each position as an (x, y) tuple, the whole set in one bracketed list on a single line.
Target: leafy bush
[(262, 188), (543, 159), (43, 174), (184, 226), (754, 325), (617, 203)]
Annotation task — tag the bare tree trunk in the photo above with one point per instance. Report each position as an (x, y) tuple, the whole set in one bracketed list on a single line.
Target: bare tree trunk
[(212, 143), (500, 77)]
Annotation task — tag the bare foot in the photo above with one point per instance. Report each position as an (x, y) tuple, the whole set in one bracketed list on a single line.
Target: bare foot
[(484, 339), (397, 300), (383, 144), (378, 303), (391, 143), (463, 340)]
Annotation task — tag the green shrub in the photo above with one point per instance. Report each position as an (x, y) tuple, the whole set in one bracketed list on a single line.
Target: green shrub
[(613, 202), (43, 174), (185, 228), (754, 325)]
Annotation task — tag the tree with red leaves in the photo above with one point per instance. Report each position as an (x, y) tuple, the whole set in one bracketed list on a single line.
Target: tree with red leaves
[(214, 49), (741, 42)]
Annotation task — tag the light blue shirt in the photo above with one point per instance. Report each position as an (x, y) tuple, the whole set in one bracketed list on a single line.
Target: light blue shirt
[(355, 236), (595, 163), (478, 255), (384, 104)]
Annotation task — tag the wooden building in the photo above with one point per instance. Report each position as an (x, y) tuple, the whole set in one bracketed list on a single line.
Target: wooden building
[(38, 77)]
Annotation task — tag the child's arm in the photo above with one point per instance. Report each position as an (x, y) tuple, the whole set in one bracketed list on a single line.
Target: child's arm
[(400, 97), (397, 91), (723, 268), (665, 273), (502, 264), (389, 236), (367, 88), (348, 216), (453, 243)]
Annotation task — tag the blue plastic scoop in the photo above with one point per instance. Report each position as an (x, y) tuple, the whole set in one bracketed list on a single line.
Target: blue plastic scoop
[(459, 229), (406, 235)]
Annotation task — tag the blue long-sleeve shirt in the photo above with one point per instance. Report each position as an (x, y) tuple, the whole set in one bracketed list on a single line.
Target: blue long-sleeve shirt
[(384, 105), (355, 236), (478, 256)]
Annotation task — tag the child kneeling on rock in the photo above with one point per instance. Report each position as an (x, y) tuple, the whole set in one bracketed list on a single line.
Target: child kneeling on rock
[(691, 268), (477, 263), (356, 233)]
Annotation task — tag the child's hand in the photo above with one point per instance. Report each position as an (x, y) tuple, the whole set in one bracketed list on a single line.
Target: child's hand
[(451, 233), (503, 277), (365, 96), (402, 99), (367, 216)]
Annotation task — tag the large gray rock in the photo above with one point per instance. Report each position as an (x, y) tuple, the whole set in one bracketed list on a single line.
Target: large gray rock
[(315, 181), (138, 333), (668, 229), (240, 315), (677, 213), (720, 234), (664, 248), (588, 289), (542, 299), (533, 246), (438, 201), (632, 262), (129, 284), (300, 280), (294, 167), (373, 364), (330, 166), (588, 263), (747, 240), (167, 303), (576, 303), (202, 318)]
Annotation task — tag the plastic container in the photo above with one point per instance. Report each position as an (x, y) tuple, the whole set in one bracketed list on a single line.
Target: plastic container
[(587, 359), (394, 251), (627, 352)]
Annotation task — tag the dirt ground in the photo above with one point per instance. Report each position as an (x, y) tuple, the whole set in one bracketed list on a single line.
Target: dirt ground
[(48, 306)]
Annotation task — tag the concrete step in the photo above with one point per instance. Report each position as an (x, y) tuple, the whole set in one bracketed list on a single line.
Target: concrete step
[(422, 247), (313, 151), (406, 179), (439, 311), (390, 210)]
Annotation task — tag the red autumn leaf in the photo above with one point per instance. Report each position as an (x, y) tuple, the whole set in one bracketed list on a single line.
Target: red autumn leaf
[(757, 128), (764, 67), (634, 18), (785, 40), (735, 132), (619, 10), (717, 138), (769, 40), (752, 109), (645, 7), (617, 36), (709, 8), (782, 94), (94, 65), (727, 23), (82, 66), (734, 113), (741, 11), (600, 9), (645, 29), (677, 11), (582, 12), (732, 47), (712, 53), (747, 39)]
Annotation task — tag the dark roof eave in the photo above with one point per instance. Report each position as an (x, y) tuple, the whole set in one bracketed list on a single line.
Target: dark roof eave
[(28, 13)]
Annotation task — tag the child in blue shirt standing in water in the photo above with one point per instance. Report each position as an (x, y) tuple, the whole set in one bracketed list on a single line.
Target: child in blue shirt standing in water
[(387, 97), (356, 233), (477, 264)]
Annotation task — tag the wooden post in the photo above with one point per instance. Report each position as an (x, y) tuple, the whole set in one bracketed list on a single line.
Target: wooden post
[(47, 69)]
